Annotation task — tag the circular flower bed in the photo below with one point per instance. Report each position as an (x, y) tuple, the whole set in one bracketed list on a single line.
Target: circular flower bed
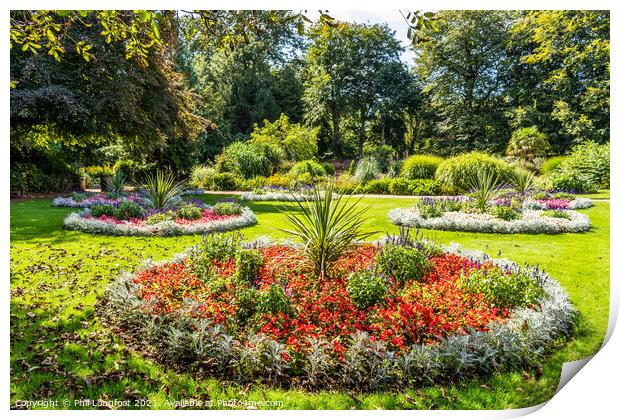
[(399, 313), (86, 200), (529, 221), (184, 218), (277, 194)]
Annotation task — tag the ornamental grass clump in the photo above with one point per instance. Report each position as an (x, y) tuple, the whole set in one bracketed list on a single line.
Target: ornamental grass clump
[(326, 226), (484, 187), (161, 190), (522, 180)]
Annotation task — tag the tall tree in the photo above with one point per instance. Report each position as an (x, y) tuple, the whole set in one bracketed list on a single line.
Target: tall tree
[(345, 66), (257, 80), (560, 75), (86, 103), (463, 67)]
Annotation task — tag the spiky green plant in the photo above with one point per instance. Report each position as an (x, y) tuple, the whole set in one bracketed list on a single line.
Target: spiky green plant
[(161, 190), (484, 188), (326, 226), (116, 183), (522, 180)]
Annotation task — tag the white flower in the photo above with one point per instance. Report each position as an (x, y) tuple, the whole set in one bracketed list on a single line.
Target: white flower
[(82, 222), (531, 222)]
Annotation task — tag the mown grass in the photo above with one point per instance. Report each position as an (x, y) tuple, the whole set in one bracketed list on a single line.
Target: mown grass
[(60, 351)]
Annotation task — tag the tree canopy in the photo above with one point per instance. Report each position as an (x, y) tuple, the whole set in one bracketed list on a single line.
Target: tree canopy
[(174, 88)]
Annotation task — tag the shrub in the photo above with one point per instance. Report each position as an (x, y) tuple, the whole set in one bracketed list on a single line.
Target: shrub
[(366, 288), (278, 180), (383, 154), (159, 217), (227, 181), (296, 141), (247, 299), (227, 209), (571, 179), (128, 210), (527, 143), (189, 211), (255, 183), (209, 178), (399, 186), (403, 186), (250, 159), (378, 186), (126, 166), (201, 176), (330, 169), (403, 263), (504, 289), (29, 178), (420, 167), (429, 210), (591, 161), (459, 171), (366, 170), (326, 226), (275, 300), (310, 167), (424, 187), (347, 184), (102, 210), (248, 263), (559, 214), (551, 164), (505, 212), (563, 195), (214, 246), (161, 190)]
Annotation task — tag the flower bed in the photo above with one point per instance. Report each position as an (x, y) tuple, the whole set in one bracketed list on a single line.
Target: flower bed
[(557, 204), (396, 314), (162, 223), (530, 221), (274, 193), (85, 200)]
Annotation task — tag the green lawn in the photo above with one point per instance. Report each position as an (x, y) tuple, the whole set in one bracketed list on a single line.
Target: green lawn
[(59, 350)]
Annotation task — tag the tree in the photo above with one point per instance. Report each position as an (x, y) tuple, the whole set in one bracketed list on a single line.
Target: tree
[(463, 68), (296, 141), (561, 74), (527, 143), (84, 104), (257, 80), (345, 68)]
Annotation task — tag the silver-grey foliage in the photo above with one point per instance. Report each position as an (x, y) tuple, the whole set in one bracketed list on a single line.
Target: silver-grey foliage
[(188, 341)]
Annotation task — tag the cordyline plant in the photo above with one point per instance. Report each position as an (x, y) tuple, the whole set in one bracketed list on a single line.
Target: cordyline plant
[(484, 188), (522, 180), (161, 190), (327, 226), (116, 184)]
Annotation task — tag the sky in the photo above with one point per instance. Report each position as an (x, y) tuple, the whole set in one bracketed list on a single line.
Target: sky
[(392, 17)]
